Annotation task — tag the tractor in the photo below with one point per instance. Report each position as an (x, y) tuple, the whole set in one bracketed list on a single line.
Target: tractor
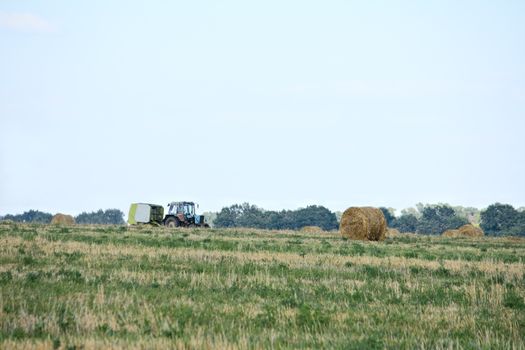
[(183, 214), (179, 214)]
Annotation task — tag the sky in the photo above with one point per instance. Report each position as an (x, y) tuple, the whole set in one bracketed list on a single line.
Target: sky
[(282, 104)]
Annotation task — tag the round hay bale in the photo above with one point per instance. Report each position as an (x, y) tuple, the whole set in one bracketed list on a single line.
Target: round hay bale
[(392, 232), (311, 229), (363, 223), (62, 219), (471, 231), (451, 233)]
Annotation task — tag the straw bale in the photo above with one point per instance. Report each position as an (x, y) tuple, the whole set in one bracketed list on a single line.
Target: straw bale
[(471, 231), (62, 219), (392, 232), (451, 233), (363, 223)]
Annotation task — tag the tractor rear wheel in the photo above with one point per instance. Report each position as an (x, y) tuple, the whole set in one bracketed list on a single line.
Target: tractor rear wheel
[(172, 222)]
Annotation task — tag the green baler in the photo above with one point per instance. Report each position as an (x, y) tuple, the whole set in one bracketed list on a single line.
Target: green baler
[(145, 213)]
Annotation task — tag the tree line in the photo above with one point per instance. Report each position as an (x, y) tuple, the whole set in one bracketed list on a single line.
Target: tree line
[(247, 215), (433, 219), (103, 217), (497, 220)]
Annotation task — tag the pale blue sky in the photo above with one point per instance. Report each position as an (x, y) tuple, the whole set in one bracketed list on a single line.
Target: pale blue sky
[(278, 103)]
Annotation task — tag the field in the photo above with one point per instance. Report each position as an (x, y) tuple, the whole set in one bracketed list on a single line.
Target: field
[(117, 287)]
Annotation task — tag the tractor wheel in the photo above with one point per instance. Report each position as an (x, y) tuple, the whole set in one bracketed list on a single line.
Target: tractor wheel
[(172, 222), (206, 226)]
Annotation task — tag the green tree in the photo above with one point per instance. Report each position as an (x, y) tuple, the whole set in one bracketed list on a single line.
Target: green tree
[(500, 219), (436, 219), (519, 228), (113, 217), (389, 217), (251, 216), (406, 223), (230, 216), (315, 215), (411, 211), (469, 213), (101, 217)]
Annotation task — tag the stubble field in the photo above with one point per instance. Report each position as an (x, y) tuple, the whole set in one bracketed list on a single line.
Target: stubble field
[(117, 287)]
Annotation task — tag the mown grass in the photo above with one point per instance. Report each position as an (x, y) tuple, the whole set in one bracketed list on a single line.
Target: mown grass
[(100, 287)]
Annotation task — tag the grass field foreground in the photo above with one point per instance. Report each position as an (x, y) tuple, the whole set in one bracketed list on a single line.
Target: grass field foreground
[(119, 287)]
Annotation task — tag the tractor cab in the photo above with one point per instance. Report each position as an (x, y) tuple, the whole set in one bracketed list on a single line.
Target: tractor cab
[(183, 210)]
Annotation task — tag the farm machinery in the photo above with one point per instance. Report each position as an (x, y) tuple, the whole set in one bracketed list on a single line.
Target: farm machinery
[(180, 214)]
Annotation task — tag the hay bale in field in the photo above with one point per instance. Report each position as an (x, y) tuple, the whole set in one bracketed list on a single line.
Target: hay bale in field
[(467, 230), (363, 223), (451, 233), (392, 232), (311, 229), (471, 231), (62, 219)]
